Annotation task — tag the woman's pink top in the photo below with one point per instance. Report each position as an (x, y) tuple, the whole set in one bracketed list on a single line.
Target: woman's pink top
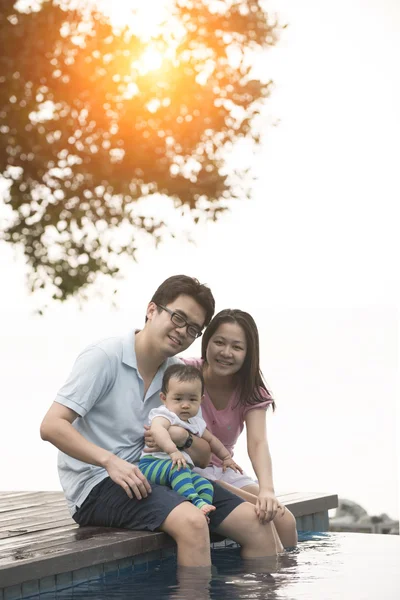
[(226, 424)]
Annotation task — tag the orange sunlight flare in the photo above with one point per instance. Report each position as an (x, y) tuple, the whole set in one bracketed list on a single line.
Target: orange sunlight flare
[(147, 19)]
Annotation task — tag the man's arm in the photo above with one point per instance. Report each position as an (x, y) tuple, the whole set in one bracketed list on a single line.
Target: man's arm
[(57, 429)]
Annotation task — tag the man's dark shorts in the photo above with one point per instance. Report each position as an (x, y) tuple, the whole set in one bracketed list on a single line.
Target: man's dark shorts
[(108, 505)]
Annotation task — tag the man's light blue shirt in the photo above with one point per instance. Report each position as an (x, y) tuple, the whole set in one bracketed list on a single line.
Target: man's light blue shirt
[(106, 390)]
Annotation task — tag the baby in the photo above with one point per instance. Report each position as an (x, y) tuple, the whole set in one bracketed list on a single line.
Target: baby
[(181, 394)]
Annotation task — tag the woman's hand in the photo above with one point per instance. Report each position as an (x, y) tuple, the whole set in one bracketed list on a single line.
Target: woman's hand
[(229, 463), (267, 506), (128, 476), (149, 443), (178, 459)]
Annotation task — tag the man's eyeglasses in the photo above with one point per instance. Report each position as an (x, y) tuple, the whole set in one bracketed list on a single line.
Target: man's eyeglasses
[(180, 321)]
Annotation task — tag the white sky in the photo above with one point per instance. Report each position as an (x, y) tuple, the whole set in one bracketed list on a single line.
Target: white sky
[(313, 256)]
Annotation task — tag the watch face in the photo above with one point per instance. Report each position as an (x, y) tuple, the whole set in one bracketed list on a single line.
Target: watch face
[(189, 441)]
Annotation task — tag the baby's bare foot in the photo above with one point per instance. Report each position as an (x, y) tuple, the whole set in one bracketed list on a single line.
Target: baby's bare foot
[(206, 509)]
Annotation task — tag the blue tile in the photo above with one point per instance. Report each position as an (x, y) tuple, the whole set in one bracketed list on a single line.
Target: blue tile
[(63, 580), (110, 569), (168, 552), (13, 592), (154, 557), (96, 572), (47, 584), (308, 524), (140, 563), (80, 576), (30, 588), (125, 566)]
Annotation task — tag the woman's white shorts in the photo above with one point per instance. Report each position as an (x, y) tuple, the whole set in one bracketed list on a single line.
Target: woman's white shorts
[(229, 476)]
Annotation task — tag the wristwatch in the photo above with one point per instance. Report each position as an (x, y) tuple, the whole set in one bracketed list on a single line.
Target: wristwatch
[(188, 442)]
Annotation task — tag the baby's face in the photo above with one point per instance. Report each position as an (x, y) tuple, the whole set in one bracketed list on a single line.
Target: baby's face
[(183, 398)]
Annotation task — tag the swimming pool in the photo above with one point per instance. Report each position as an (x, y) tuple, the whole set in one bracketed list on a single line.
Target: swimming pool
[(325, 566)]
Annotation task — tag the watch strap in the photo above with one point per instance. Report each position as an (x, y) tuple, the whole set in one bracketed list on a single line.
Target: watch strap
[(188, 442)]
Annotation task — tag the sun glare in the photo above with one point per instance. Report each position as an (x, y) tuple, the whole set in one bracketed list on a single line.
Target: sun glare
[(147, 20), (144, 18), (150, 60)]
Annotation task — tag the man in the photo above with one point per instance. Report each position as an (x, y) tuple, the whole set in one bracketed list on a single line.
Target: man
[(97, 423)]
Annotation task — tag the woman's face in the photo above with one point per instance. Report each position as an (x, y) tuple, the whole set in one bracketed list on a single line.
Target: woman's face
[(226, 349)]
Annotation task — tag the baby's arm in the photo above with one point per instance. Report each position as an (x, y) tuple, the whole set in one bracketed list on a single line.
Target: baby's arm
[(219, 450), (159, 428)]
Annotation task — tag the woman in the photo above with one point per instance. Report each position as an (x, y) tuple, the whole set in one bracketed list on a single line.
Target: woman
[(235, 393)]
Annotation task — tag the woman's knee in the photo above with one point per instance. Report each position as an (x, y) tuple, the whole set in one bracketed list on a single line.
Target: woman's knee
[(245, 525), (256, 538), (285, 519), (286, 527)]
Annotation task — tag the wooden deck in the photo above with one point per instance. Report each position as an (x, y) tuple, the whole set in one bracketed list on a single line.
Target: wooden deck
[(42, 548)]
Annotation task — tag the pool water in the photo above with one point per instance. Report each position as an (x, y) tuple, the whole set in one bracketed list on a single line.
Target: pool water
[(325, 566)]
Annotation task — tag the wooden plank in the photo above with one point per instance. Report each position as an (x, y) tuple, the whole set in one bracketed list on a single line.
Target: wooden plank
[(42, 497), (58, 535), (18, 519), (38, 537), (23, 548), (312, 503), (32, 528), (108, 537), (83, 555), (4, 495), (13, 497), (15, 516), (28, 504), (68, 525)]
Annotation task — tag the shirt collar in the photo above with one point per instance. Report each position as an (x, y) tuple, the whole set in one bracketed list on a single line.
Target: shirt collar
[(128, 350), (129, 354)]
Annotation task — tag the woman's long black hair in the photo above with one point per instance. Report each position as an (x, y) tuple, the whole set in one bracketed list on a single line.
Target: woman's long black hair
[(250, 377)]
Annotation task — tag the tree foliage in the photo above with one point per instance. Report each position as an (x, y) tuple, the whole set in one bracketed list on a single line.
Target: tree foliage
[(89, 127)]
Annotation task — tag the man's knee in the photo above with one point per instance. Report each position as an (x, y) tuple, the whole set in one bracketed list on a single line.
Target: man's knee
[(193, 525), (186, 522)]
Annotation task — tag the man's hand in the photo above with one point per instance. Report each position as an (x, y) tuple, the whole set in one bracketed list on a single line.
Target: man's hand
[(230, 463), (178, 459), (128, 476)]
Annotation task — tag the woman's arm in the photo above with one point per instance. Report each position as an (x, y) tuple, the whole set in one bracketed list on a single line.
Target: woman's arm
[(199, 452), (160, 429), (257, 446), (221, 452)]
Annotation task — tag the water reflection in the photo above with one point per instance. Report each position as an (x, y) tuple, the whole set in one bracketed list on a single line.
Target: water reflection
[(328, 567)]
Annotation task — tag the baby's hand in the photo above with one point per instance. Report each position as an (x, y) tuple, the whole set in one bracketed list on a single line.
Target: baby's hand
[(178, 459), (230, 463)]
